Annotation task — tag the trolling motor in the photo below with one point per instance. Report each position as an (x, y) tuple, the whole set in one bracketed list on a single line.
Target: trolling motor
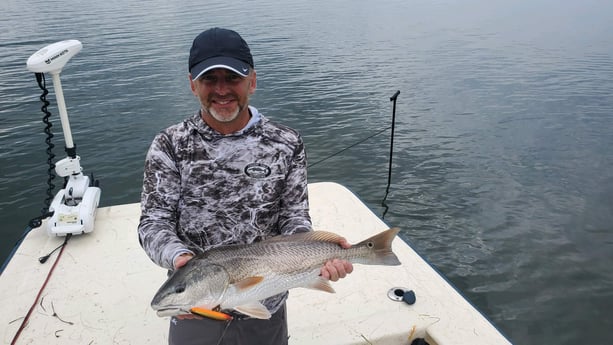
[(73, 207)]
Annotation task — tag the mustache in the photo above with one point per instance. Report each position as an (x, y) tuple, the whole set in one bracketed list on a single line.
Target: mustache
[(226, 97)]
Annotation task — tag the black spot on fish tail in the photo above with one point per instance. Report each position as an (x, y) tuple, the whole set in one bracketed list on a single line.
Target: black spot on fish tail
[(381, 244)]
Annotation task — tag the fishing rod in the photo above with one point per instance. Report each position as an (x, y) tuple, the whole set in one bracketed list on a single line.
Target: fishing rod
[(348, 147), (394, 98), (367, 138)]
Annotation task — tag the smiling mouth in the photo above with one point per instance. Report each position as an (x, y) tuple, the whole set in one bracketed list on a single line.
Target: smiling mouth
[(224, 102)]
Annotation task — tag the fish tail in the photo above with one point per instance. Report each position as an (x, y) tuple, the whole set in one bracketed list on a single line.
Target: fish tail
[(381, 245)]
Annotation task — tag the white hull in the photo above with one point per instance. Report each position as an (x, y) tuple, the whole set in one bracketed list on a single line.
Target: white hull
[(104, 282)]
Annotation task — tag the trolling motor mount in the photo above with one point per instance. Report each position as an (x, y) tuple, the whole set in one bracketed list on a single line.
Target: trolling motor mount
[(74, 207)]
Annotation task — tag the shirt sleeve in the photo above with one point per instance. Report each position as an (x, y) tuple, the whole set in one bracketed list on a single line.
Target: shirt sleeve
[(159, 202), (294, 215)]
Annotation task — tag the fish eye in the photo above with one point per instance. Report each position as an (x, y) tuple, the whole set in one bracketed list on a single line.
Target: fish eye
[(180, 289), (370, 245)]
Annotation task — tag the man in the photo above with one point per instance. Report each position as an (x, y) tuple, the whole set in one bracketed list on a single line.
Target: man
[(226, 175)]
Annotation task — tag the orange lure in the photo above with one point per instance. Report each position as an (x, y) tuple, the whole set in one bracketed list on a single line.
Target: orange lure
[(211, 314)]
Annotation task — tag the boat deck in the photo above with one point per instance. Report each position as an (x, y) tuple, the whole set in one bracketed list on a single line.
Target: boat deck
[(100, 290)]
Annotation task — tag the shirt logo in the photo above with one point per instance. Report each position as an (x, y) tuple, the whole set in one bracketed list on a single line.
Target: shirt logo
[(257, 170)]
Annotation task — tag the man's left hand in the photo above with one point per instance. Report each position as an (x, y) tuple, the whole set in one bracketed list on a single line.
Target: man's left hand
[(336, 269)]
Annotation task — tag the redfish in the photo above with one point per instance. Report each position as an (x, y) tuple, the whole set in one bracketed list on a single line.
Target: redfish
[(238, 277)]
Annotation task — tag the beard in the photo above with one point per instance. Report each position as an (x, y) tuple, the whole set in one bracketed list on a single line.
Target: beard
[(223, 117)]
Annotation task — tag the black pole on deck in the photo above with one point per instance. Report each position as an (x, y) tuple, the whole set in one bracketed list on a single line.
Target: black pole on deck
[(389, 171)]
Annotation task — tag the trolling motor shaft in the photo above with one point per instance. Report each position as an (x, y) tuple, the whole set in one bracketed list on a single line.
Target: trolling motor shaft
[(74, 207)]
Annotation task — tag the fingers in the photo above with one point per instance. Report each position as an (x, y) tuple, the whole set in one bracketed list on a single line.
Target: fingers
[(348, 267), (189, 317), (336, 269), (182, 259), (344, 244)]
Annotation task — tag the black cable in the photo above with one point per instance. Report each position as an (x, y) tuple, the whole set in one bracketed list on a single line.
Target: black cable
[(44, 259), (350, 146), (37, 221)]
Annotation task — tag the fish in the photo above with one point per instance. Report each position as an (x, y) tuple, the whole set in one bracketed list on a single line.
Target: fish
[(238, 277)]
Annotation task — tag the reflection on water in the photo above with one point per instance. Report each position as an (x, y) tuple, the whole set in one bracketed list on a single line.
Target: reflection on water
[(502, 173)]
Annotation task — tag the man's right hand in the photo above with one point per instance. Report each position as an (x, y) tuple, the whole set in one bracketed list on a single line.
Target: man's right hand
[(189, 317), (182, 259)]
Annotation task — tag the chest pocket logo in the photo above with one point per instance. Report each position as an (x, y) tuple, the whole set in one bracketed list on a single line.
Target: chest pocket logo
[(257, 170)]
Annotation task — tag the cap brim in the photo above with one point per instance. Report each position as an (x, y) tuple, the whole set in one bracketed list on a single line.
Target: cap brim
[(232, 64)]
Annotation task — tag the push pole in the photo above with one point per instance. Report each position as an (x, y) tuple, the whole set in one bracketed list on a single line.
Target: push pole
[(389, 171)]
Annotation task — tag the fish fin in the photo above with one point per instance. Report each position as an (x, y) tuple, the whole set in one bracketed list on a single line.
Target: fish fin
[(248, 282), (255, 309), (381, 244), (323, 236), (320, 284)]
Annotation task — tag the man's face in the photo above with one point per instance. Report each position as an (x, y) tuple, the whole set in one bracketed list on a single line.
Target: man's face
[(224, 94)]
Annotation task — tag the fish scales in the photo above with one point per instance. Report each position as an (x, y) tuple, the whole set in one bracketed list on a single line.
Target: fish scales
[(285, 256)]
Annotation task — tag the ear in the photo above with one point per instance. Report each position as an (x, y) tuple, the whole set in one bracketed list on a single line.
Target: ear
[(192, 84), (253, 83)]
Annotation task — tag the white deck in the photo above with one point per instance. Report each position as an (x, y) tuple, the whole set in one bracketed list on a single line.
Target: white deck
[(104, 282)]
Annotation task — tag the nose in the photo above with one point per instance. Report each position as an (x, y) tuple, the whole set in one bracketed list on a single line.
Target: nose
[(221, 86)]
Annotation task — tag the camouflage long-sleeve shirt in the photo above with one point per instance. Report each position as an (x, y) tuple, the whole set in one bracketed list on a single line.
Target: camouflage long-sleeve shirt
[(202, 189)]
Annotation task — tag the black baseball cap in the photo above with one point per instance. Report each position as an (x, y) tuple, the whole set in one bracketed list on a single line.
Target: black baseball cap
[(219, 48)]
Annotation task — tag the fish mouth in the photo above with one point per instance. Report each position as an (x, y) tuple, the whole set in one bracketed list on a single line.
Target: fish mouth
[(172, 311)]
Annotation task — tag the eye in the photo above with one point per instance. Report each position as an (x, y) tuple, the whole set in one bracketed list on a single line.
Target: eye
[(179, 288), (209, 78), (233, 78)]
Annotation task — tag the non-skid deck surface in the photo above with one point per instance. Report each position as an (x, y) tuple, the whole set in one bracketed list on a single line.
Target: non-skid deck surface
[(101, 288)]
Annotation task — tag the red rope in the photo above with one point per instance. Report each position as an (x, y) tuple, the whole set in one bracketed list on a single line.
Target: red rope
[(27, 317)]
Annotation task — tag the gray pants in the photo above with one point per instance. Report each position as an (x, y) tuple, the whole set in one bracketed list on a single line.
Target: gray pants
[(236, 332)]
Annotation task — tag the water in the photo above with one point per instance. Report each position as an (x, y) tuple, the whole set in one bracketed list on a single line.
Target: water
[(502, 172)]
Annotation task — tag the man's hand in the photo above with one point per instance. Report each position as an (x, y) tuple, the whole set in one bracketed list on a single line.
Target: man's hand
[(336, 269), (182, 259), (189, 317)]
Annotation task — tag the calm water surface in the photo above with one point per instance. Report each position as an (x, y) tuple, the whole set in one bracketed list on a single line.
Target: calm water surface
[(502, 174)]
